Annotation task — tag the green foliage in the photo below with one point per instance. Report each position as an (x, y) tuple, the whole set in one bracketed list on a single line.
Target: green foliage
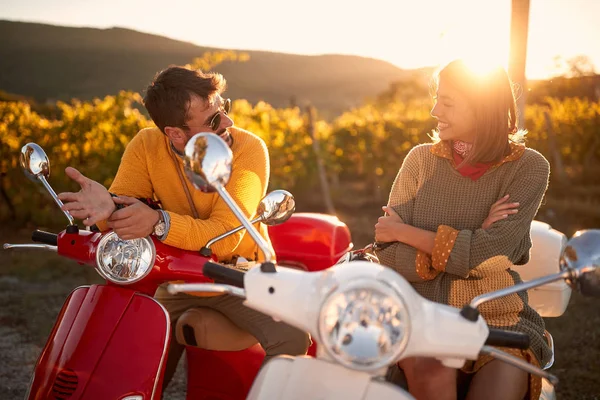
[(290, 146), (370, 142), (575, 125), (365, 145), (90, 136), (211, 59), (561, 87)]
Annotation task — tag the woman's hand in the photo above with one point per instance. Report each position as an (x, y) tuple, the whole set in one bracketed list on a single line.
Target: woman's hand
[(500, 210), (388, 227)]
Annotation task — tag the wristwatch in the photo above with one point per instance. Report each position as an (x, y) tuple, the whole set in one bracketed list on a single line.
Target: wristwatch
[(118, 206), (161, 226)]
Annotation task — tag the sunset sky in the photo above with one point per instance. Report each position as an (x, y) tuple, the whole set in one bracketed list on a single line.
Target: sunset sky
[(409, 34)]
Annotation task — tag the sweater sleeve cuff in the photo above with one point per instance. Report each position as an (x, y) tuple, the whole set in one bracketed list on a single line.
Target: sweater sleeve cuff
[(442, 247), (178, 230), (459, 260), (423, 266), (102, 225)]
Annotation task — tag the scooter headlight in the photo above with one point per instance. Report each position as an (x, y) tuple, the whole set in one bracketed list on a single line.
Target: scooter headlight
[(124, 261), (364, 325)]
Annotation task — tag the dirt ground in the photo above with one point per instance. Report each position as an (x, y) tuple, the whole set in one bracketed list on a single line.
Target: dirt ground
[(34, 284)]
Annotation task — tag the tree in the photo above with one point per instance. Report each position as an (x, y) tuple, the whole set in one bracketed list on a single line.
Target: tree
[(210, 59), (574, 67)]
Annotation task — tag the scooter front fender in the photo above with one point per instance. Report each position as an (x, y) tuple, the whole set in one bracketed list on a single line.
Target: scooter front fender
[(304, 377), (108, 342)]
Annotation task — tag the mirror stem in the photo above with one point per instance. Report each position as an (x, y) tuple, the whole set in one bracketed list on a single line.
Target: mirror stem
[(519, 363), (56, 199), (262, 244), (231, 232)]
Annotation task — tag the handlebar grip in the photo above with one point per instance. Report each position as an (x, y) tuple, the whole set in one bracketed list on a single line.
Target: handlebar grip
[(45, 237), (502, 338), (223, 274)]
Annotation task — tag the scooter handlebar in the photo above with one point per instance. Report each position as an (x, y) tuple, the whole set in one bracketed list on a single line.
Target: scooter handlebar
[(45, 237), (223, 274), (502, 338)]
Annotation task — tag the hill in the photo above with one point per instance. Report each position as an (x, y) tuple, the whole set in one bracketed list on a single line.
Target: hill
[(49, 62)]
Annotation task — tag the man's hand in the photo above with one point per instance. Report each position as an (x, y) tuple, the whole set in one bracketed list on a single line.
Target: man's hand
[(91, 204), (388, 227), (500, 210), (135, 221)]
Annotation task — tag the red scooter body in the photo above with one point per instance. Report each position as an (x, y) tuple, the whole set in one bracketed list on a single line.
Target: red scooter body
[(111, 342), (311, 241), (108, 343)]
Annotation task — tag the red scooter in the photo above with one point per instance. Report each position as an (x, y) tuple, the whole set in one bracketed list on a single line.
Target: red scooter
[(110, 341)]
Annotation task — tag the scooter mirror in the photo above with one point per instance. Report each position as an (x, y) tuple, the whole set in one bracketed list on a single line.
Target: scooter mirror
[(207, 161), (276, 207), (34, 162), (36, 166), (581, 257)]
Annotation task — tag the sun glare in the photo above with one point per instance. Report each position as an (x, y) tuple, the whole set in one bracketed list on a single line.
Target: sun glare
[(481, 52), (481, 36)]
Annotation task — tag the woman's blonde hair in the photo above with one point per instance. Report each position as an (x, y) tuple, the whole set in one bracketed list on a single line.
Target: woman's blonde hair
[(492, 98)]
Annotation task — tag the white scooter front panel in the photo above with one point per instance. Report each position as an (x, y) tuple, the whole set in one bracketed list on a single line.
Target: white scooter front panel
[(431, 329), (301, 378), (288, 295)]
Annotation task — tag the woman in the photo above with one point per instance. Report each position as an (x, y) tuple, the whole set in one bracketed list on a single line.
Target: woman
[(457, 235)]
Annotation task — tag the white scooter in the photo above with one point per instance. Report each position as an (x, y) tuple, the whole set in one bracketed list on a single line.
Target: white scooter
[(364, 316)]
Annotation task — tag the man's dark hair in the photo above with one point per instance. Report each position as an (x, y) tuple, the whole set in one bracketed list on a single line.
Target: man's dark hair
[(168, 97)]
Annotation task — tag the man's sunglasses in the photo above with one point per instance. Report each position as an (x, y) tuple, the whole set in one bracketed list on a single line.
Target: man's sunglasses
[(215, 120)]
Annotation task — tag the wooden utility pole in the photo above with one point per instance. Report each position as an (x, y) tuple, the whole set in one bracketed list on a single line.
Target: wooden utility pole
[(519, 27)]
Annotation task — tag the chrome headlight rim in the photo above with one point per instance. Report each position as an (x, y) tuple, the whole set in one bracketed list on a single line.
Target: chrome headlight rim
[(99, 265), (369, 284)]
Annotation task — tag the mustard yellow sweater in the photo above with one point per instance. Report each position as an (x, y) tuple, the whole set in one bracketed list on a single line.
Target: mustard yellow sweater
[(147, 170)]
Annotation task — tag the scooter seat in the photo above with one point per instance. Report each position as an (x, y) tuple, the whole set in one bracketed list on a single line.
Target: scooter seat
[(210, 330)]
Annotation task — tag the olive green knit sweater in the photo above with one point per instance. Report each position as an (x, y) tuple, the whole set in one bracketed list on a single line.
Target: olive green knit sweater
[(429, 192)]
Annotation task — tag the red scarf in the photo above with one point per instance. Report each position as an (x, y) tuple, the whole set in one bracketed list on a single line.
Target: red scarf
[(471, 171), (457, 151)]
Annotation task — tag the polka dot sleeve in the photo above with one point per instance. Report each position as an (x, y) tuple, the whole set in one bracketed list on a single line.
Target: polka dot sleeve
[(423, 266), (442, 247)]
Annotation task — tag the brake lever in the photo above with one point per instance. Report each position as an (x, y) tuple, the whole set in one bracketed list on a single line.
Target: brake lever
[(7, 246)]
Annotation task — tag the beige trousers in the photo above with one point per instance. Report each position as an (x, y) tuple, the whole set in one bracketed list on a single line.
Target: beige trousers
[(276, 338)]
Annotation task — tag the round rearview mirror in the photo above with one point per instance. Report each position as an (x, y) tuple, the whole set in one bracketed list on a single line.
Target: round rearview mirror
[(34, 161), (276, 207), (207, 162), (581, 257)]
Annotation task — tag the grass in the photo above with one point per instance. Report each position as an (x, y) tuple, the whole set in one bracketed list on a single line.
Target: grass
[(577, 349), (37, 282)]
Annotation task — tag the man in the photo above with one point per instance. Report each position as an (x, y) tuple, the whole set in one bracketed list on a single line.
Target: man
[(182, 102)]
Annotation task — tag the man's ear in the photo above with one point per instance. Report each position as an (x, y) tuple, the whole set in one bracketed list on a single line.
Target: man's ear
[(175, 135)]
